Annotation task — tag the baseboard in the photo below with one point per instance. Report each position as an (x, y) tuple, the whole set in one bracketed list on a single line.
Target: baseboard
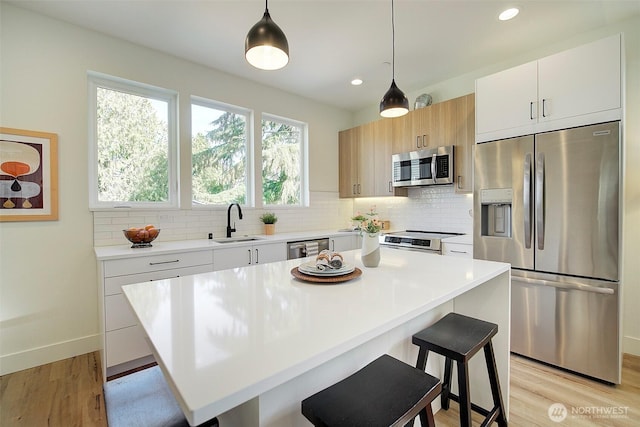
[(631, 345), (47, 354)]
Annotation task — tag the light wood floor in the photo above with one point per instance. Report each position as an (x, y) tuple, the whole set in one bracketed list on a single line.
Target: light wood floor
[(69, 393)]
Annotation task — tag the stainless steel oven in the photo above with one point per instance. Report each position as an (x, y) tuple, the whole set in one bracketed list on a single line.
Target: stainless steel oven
[(416, 240)]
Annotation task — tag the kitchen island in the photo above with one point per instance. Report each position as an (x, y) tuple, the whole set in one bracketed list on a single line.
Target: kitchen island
[(248, 344)]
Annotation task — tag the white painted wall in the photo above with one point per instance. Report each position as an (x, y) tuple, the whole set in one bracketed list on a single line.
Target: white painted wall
[(464, 84), (48, 287)]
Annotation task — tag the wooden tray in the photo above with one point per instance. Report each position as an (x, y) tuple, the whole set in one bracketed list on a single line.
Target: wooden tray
[(329, 279)]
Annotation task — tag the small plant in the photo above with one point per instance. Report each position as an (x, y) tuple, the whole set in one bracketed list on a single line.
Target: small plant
[(369, 223), (269, 218)]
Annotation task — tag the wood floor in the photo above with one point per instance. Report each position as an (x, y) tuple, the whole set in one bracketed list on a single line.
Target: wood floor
[(69, 393)]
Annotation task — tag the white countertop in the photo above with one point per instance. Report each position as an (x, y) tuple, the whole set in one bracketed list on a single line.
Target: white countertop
[(159, 247), (226, 337)]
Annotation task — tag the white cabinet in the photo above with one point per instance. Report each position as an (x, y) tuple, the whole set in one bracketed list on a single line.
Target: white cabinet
[(507, 100), (240, 256), (124, 345), (343, 243), (576, 87), (457, 249)]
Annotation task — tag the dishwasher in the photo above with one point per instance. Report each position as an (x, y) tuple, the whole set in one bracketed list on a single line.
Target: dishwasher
[(305, 248)]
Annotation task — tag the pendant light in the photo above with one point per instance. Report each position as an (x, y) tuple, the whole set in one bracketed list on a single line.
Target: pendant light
[(266, 46), (394, 103)]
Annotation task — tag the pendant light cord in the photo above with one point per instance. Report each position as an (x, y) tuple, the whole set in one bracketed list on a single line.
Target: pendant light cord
[(393, 44)]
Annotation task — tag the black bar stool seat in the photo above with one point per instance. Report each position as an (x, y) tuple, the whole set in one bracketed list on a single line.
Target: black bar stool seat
[(458, 338), (143, 398), (386, 392)]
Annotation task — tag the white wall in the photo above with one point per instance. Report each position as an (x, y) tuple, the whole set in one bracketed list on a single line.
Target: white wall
[(48, 288), (464, 84)]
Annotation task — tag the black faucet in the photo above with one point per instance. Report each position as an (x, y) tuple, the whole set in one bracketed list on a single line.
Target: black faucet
[(229, 229)]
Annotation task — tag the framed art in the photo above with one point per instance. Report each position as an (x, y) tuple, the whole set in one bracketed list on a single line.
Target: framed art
[(28, 175)]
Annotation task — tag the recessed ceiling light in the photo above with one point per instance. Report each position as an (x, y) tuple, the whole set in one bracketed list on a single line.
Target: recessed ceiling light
[(356, 82), (508, 14)]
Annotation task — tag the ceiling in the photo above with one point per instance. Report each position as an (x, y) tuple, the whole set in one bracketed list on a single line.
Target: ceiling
[(332, 42)]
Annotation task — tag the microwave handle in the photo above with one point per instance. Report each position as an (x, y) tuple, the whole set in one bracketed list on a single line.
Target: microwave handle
[(434, 169)]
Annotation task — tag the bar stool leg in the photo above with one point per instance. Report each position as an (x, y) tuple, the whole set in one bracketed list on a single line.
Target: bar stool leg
[(426, 417), (446, 384), (495, 384), (463, 395), (423, 354)]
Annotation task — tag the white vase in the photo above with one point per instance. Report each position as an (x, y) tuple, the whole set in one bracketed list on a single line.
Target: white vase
[(370, 254)]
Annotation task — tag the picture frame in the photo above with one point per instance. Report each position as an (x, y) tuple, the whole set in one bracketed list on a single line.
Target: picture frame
[(28, 175)]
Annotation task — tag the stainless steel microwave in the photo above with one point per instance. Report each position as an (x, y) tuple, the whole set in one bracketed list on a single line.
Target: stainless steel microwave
[(431, 166)]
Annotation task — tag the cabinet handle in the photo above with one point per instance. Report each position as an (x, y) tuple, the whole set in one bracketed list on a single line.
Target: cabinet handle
[(459, 252), (544, 104), (390, 187), (531, 110), (249, 250), (257, 259), (333, 244), (354, 189), (459, 182), (359, 190), (164, 262), (425, 141), (418, 141)]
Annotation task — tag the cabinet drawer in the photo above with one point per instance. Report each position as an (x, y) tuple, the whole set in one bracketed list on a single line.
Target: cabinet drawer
[(113, 285), (126, 344), (118, 313), (156, 263), (457, 249)]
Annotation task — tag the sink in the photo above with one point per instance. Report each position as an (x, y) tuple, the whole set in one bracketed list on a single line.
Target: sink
[(236, 239)]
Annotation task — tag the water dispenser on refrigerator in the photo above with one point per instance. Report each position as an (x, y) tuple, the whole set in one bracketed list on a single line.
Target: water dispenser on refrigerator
[(496, 211)]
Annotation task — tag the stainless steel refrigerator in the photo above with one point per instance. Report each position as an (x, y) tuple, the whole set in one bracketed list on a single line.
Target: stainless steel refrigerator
[(549, 204)]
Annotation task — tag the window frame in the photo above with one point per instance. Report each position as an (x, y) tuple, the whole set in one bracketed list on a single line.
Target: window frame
[(250, 177), (97, 80), (304, 159)]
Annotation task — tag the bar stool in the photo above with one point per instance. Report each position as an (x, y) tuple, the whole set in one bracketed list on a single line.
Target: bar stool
[(459, 338), (143, 398), (386, 392)]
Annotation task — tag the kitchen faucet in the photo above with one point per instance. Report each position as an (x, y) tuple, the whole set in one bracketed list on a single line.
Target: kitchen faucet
[(229, 229)]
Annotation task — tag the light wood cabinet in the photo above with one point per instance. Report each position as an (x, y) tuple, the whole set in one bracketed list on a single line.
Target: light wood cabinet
[(576, 87), (446, 123), (464, 143), (365, 161)]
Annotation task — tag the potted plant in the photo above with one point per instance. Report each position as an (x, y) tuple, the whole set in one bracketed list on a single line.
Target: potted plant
[(269, 220), (369, 226)]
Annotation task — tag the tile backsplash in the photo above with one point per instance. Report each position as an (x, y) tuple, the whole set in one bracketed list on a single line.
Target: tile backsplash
[(426, 208), (436, 208), (327, 212)]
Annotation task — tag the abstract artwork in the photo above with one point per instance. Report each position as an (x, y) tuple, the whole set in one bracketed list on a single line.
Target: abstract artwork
[(28, 175)]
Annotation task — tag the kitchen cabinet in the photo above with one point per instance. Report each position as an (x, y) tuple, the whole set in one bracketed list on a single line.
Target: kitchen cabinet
[(465, 125), (365, 161), (355, 163), (576, 87), (343, 243), (124, 346), (240, 256), (457, 249)]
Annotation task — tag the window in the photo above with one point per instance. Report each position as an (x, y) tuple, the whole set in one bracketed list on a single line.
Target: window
[(219, 153), (284, 162), (133, 144)]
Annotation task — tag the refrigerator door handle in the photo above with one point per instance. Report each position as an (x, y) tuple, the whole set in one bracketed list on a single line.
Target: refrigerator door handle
[(565, 285), (526, 199), (540, 200)]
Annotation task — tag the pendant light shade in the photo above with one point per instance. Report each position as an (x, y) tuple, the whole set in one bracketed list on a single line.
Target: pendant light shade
[(394, 103), (266, 46)]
